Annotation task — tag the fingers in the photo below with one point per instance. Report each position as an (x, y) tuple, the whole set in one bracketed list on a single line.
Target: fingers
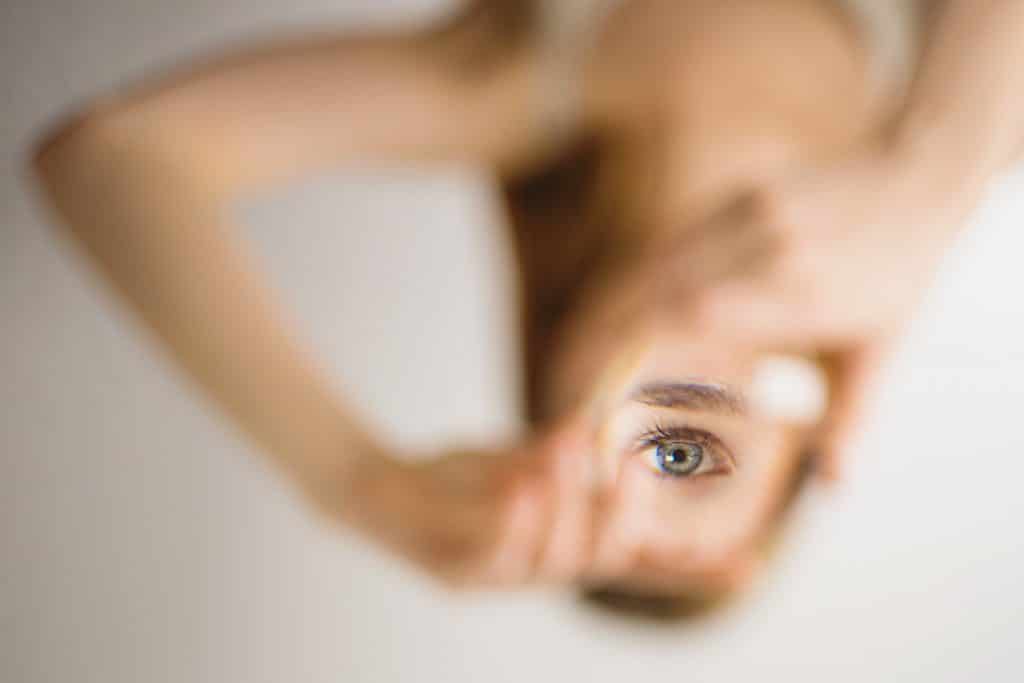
[(617, 525), (743, 275), (852, 374), (563, 554), (520, 525), (736, 242), (569, 457), (532, 524), (486, 542)]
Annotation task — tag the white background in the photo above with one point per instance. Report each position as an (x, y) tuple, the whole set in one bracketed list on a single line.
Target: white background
[(142, 540)]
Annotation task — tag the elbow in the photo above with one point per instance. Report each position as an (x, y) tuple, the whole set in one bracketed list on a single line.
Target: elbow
[(112, 144), (56, 139), (82, 163), (60, 148)]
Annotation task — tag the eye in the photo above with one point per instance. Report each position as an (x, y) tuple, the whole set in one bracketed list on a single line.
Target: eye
[(678, 459), (685, 453)]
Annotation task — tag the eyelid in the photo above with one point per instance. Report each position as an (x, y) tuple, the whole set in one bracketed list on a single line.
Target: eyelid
[(662, 432), (725, 461)]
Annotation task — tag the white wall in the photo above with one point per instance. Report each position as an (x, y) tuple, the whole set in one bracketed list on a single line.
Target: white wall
[(143, 541)]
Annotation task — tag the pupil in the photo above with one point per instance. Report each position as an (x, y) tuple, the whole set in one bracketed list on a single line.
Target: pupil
[(682, 459), (680, 456)]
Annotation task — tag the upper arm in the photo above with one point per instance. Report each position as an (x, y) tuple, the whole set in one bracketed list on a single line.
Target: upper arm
[(286, 109)]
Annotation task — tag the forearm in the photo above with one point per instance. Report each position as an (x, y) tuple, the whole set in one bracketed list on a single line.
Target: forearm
[(142, 180), (153, 228), (965, 112)]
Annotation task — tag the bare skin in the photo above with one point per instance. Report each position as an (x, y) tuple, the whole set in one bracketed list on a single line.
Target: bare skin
[(896, 201), (670, 158), (647, 162)]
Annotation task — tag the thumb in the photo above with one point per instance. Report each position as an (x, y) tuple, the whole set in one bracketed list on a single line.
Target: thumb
[(852, 374)]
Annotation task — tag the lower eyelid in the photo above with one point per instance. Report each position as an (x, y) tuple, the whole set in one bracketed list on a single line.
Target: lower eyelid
[(724, 458), (721, 464)]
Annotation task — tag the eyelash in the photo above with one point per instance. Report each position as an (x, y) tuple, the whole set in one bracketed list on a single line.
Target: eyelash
[(722, 459)]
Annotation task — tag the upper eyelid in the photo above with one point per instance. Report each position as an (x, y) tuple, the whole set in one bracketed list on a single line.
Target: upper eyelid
[(680, 433), (685, 433)]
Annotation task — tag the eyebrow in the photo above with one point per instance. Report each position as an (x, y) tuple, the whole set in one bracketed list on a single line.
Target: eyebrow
[(712, 398)]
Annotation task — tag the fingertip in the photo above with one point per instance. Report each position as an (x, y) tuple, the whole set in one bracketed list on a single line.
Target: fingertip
[(510, 563), (831, 474), (827, 465)]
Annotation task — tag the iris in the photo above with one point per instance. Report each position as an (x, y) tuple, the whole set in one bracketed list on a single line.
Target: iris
[(679, 459)]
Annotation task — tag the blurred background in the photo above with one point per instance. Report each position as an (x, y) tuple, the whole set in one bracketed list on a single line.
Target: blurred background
[(143, 540)]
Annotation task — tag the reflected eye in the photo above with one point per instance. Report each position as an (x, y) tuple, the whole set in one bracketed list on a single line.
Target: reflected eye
[(685, 453)]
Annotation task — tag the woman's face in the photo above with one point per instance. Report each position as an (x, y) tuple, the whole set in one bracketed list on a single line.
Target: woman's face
[(692, 460)]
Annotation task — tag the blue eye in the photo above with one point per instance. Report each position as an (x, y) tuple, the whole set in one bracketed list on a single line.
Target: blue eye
[(679, 459), (684, 453)]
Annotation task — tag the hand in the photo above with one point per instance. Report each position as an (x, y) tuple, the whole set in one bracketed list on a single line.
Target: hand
[(842, 254), (530, 515), (475, 519), (833, 262)]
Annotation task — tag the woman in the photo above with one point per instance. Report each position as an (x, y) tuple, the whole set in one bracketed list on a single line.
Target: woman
[(656, 157)]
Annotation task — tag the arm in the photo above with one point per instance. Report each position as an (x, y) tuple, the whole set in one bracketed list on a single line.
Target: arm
[(142, 181), (801, 262), (965, 112)]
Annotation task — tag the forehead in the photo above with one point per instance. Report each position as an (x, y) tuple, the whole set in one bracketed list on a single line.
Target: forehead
[(670, 354)]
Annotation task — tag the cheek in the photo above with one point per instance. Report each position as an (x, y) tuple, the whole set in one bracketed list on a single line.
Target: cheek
[(669, 518), (695, 520)]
